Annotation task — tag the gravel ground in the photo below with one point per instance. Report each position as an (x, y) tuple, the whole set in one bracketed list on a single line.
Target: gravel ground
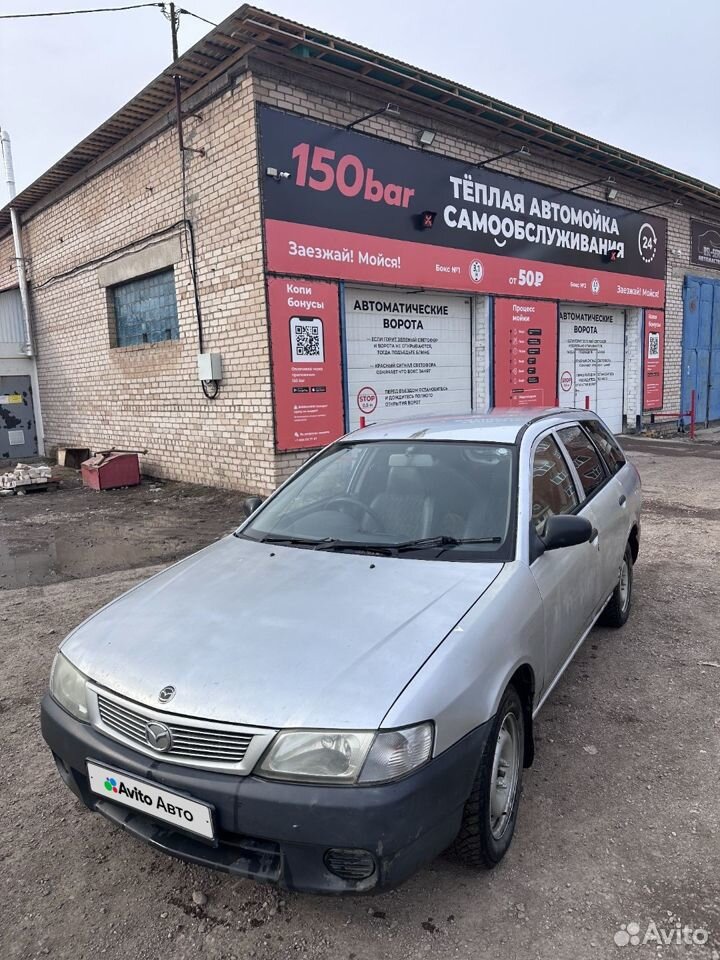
[(620, 815)]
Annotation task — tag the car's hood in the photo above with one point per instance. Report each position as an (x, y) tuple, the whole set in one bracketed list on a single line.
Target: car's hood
[(277, 636)]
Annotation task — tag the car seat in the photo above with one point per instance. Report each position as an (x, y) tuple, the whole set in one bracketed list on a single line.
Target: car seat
[(404, 507)]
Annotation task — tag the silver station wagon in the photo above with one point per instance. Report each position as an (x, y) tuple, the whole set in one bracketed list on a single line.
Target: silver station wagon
[(346, 686)]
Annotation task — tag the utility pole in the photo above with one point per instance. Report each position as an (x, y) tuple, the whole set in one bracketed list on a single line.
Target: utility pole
[(174, 19), (187, 224)]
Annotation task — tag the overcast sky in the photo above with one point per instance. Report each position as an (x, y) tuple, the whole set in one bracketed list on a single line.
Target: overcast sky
[(639, 74)]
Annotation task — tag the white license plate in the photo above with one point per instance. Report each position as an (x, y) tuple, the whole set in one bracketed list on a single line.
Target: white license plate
[(172, 808)]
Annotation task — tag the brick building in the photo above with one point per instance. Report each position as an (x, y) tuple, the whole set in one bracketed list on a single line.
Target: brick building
[(353, 238)]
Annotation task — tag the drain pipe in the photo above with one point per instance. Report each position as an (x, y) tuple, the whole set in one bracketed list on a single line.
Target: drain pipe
[(17, 241), (27, 347)]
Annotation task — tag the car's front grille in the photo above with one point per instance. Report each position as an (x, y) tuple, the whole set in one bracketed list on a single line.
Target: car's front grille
[(204, 744)]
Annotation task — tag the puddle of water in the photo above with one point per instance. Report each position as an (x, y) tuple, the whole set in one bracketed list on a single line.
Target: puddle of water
[(69, 553), (23, 566)]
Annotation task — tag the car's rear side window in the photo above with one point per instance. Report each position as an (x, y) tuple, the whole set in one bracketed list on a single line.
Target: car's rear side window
[(607, 445), (553, 490), (585, 457)]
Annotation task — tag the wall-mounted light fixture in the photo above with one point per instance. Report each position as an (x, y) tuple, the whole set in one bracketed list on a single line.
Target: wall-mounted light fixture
[(426, 137), (520, 151), (611, 192), (665, 203), (391, 108), (610, 181)]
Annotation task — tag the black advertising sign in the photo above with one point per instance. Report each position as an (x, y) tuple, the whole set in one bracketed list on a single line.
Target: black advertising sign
[(341, 204), (704, 244)]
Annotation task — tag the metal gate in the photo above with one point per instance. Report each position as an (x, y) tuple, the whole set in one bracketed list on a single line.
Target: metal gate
[(18, 435), (701, 347)]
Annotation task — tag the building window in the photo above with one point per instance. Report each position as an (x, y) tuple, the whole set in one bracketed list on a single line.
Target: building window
[(145, 309)]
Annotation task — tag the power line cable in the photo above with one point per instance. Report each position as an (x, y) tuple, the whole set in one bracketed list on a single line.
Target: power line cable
[(69, 13), (191, 14)]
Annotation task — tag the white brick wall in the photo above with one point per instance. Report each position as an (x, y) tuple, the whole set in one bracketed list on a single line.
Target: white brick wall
[(481, 365), (149, 396)]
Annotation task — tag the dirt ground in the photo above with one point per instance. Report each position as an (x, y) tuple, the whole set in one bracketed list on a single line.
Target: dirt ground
[(620, 816)]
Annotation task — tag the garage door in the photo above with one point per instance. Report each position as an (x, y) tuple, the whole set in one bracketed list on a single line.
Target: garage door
[(408, 354), (592, 360)]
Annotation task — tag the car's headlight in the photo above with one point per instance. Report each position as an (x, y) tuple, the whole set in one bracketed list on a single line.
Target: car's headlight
[(347, 756), (67, 685)]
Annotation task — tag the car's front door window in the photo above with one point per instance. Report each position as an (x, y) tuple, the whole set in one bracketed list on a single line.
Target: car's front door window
[(585, 457), (607, 445), (553, 490)]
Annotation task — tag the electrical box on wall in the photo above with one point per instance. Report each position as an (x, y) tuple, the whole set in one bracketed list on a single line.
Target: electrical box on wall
[(209, 366)]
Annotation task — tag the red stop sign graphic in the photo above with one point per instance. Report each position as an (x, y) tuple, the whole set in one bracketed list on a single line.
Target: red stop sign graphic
[(566, 381), (366, 399)]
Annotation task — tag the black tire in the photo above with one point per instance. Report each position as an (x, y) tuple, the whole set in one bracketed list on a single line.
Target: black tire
[(618, 606), (476, 844)]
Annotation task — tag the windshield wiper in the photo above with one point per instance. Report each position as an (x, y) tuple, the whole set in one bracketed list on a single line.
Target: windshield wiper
[(443, 541), (393, 549), (383, 549), (386, 549), (287, 540)]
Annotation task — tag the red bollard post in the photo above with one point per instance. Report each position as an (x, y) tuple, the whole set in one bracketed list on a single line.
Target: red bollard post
[(362, 422), (692, 414), (587, 401)]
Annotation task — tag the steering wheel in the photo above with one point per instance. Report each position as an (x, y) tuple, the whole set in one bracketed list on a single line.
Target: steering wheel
[(354, 502)]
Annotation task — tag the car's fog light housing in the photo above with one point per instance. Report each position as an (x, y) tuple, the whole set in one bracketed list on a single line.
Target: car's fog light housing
[(350, 864), (397, 752)]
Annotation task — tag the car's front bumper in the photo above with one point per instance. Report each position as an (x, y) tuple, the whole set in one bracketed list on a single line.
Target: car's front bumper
[(281, 832)]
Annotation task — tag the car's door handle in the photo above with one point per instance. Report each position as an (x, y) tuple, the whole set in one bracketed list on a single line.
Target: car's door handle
[(623, 500)]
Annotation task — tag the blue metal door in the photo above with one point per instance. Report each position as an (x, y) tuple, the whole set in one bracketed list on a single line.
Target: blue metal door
[(701, 347), (714, 387)]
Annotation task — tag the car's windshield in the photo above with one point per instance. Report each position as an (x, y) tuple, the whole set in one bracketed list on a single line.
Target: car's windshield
[(435, 499)]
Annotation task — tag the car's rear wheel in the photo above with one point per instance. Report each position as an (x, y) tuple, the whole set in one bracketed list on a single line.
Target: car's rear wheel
[(491, 809), (617, 610)]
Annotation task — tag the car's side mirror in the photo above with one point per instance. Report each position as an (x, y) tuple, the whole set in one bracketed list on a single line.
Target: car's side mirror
[(250, 505), (566, 530)]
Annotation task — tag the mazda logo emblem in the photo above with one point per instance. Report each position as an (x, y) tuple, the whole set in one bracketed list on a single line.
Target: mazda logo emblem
[(166, 694), (158, 737)]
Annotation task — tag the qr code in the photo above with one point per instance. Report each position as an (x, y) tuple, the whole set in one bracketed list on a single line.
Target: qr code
[(307, 341), (654, 346)]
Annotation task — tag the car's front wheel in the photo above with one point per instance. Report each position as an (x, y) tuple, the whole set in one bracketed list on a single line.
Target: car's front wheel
[(491, 809), (617, 610)]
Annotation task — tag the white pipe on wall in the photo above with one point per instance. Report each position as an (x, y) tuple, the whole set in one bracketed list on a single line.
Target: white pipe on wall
[(9, 174)]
